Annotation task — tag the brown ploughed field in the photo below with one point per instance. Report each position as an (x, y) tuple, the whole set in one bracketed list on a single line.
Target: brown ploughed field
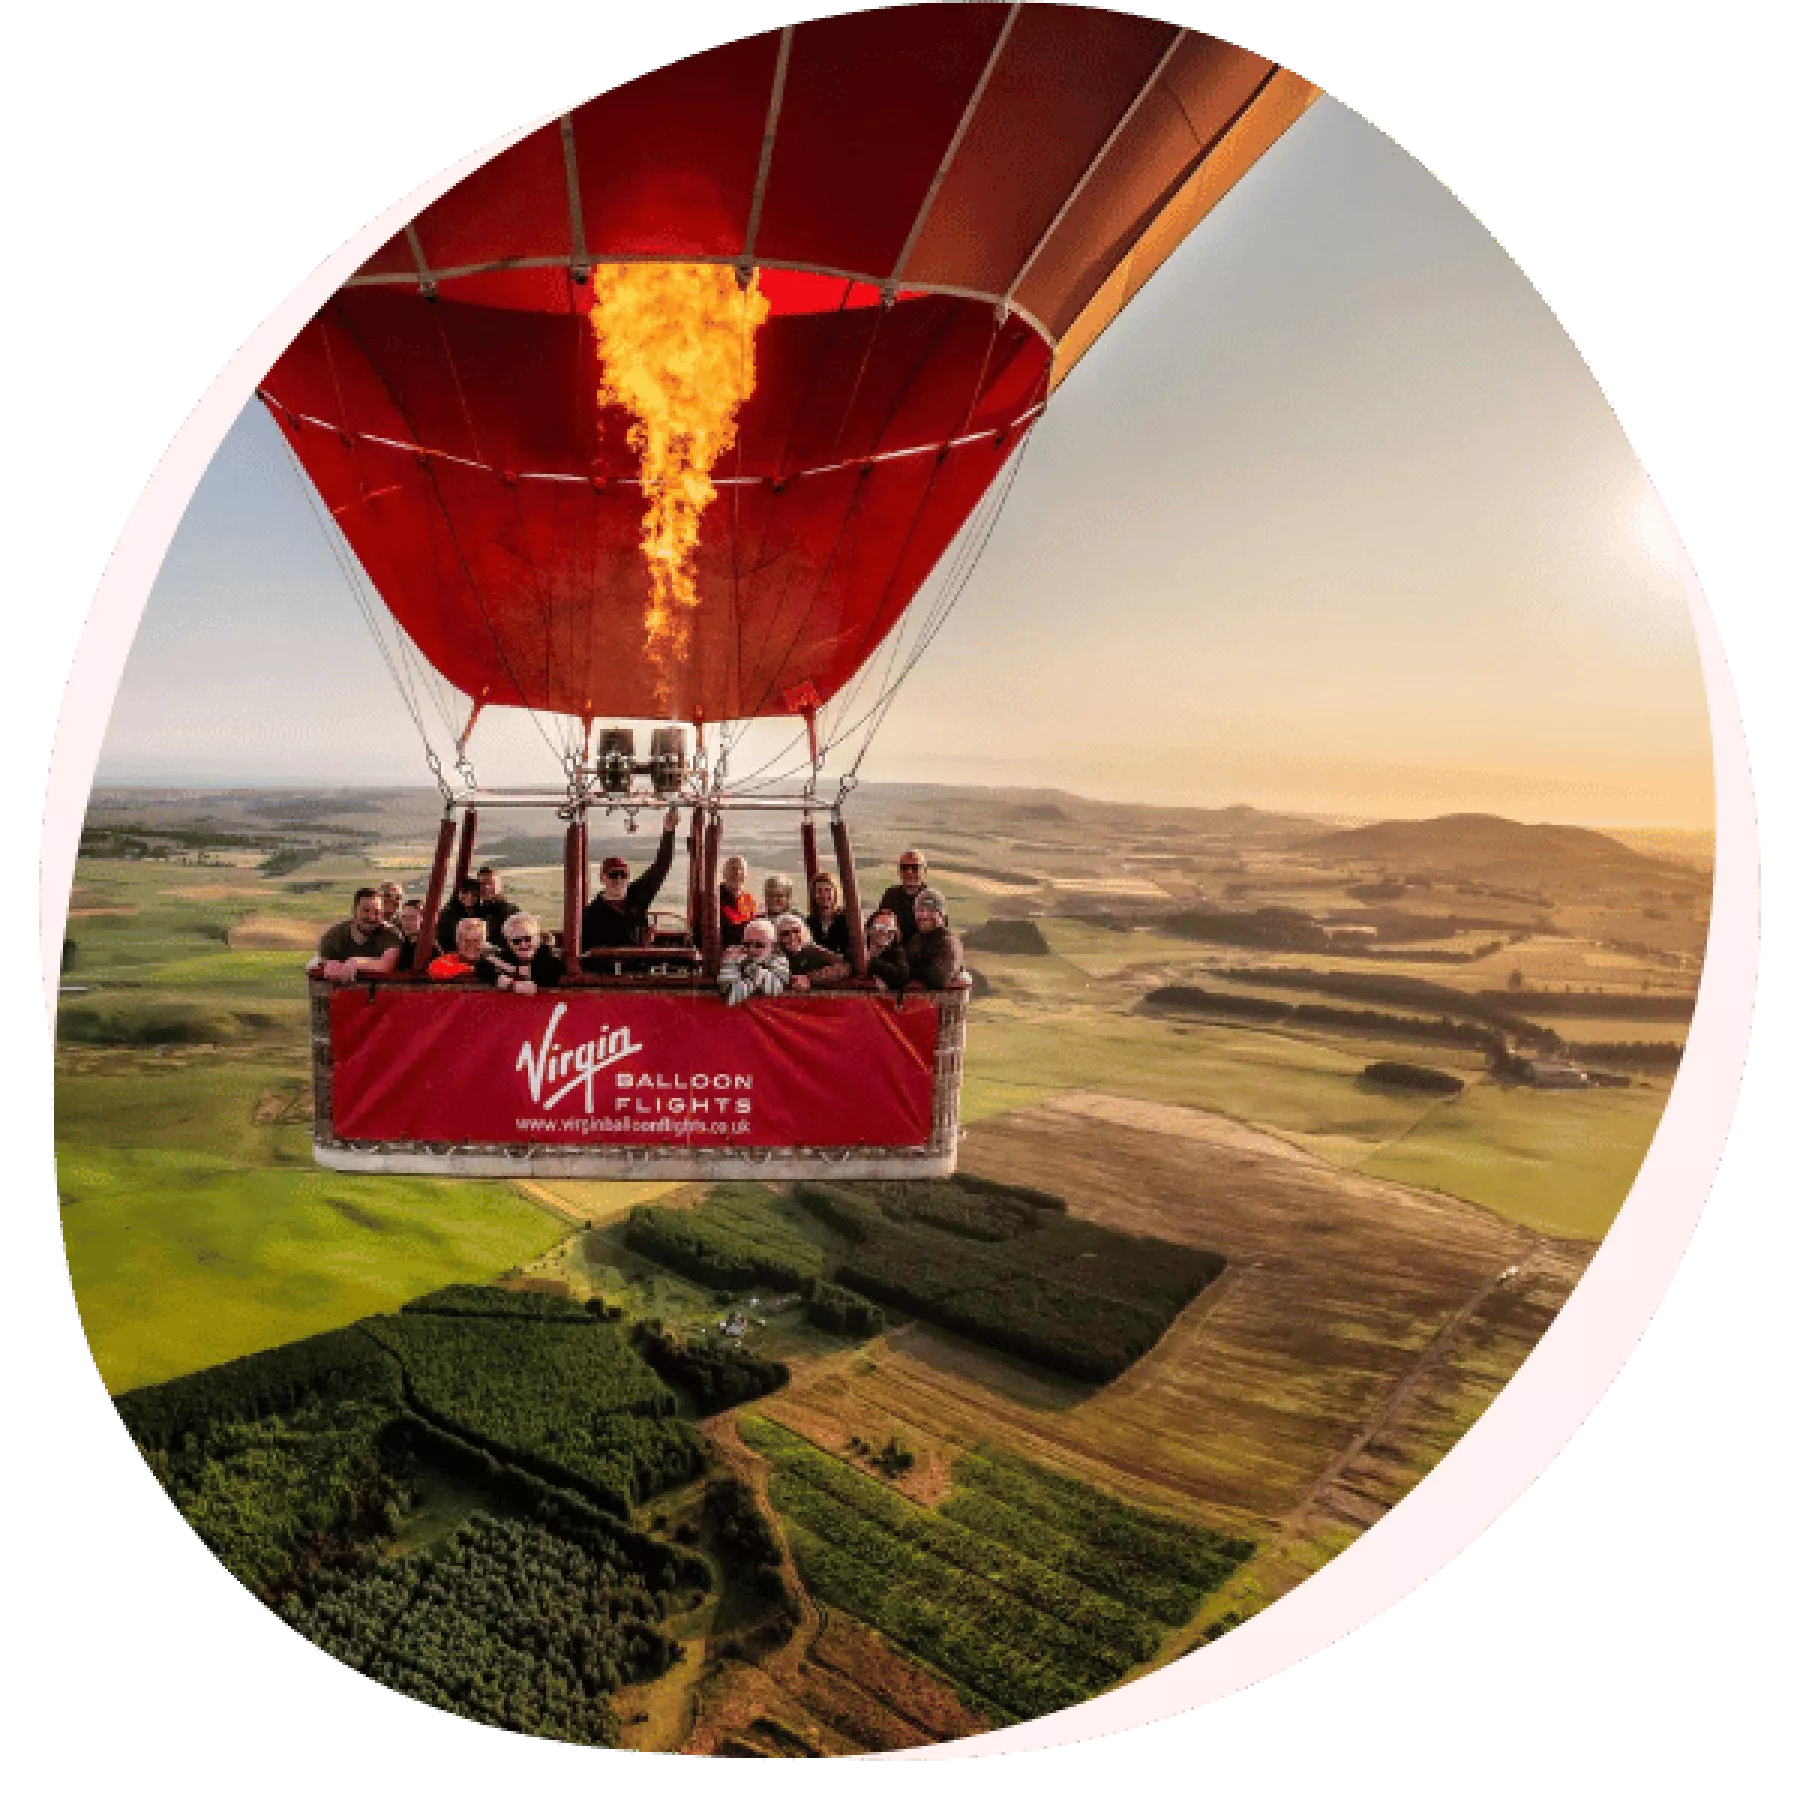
[(1359, 1329)]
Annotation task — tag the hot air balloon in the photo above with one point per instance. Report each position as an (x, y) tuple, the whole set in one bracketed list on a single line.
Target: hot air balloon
[(671, 411)]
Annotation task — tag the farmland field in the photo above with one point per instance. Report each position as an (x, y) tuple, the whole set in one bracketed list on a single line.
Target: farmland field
[(968, 1517)]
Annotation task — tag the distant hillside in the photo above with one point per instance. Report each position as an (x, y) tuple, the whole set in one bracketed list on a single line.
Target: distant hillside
[(1008, 937), (1485, 841)]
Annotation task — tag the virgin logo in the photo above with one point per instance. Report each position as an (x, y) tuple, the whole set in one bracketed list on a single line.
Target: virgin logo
[(553, 1071)]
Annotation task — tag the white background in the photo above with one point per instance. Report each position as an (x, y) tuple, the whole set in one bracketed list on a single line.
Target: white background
[(175, 172)]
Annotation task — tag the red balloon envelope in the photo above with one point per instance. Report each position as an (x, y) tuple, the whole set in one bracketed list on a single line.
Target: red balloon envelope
[(944, 206)]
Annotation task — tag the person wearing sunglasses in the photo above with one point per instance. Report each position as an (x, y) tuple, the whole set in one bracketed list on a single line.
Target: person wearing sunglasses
[(618, 917), (753, 967), (809, 964), (524, 962), (887, 956), (900, 898)]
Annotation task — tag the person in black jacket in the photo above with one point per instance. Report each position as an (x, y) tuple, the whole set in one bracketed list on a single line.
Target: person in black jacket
[(826, 921), (933, 953), (902, 896), (618, 917), (809, 964), (525, 963), (466, 905), (496, 909), (887, 957)]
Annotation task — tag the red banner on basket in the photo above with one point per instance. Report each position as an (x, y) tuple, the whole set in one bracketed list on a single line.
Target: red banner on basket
[(601, 1066)]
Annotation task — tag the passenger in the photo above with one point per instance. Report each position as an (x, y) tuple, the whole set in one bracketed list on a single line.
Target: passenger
[(465, 905), (525, 964), (887, 955), (364, 944), (754, 967), (409, 924), (933, 954), (460, 964), (737, 905), (496, 909), (778, 896), (618, 917), (901, 897), (827, 921), (393, 897), (809, 964)]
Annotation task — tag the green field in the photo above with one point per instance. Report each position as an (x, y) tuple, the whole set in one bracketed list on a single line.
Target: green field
[(181, 1259), (1560, 1162)]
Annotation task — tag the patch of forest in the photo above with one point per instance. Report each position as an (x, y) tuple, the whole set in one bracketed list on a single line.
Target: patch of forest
[(299, 1466), (1071, 1296)]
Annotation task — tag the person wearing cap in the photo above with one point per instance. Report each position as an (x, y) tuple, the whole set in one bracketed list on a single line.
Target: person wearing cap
[(933, 952), (809, 964), (525, 963), (887, 955), (901, 898), (618, 917), (465, 905), (737, 905), (753, 967)]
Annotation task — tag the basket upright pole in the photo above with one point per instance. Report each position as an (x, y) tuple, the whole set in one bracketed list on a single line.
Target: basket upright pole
[(465, 850), (859, 944), (711, 949), (426, 947), (809, 853), (574, 877)]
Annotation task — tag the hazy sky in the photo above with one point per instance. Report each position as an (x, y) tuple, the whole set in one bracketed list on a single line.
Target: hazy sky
[(1334, 518)]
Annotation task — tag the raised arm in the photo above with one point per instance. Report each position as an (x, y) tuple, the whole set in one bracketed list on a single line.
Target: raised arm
[(649, 884)]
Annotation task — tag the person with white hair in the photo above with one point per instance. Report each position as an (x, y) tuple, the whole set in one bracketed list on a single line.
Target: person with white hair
[(524, 962), (460, 962), (737, 905), (778, 896), (753, 967), (809, 964)]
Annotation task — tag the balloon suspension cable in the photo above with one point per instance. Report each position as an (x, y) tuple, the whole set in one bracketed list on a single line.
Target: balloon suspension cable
[(464, 767)]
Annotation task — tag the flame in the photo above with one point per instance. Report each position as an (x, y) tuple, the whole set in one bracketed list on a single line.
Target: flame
[(677, 352)]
